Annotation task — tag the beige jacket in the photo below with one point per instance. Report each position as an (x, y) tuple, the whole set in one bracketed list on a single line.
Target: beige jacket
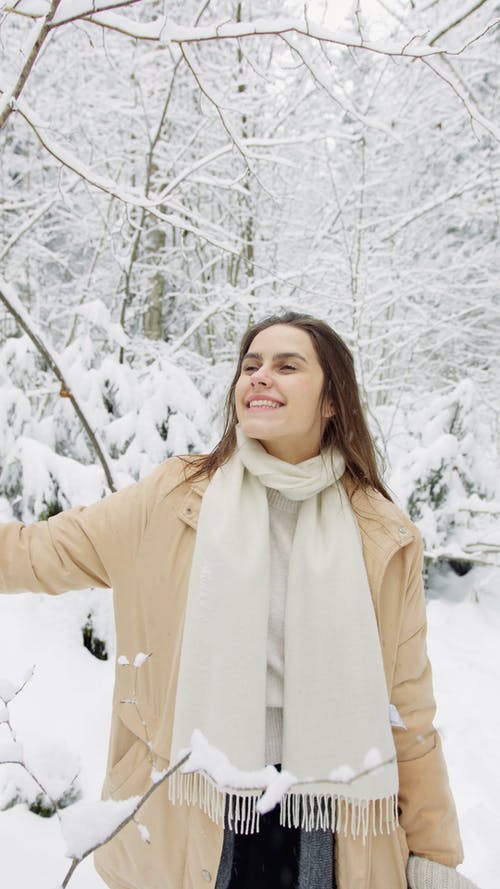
[(140, 541)]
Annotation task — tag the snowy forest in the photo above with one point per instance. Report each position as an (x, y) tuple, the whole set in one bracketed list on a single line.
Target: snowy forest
[(169, 174)]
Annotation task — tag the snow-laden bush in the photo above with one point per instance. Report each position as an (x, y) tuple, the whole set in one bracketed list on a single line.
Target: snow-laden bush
[(448, 482), (54, 766), (142, 414)]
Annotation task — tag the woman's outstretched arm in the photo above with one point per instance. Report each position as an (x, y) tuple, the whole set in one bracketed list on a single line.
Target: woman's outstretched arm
[(81, 547)]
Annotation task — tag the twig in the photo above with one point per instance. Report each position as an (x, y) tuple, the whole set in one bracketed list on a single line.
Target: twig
[(20, 762), (469, 104), (454, 22), (76, 861), (107, 185)]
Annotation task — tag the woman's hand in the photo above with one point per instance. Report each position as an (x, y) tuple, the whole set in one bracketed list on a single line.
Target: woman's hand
[(423, 873)]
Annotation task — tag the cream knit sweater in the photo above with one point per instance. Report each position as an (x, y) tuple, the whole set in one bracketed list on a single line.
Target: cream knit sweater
[(282, 521)]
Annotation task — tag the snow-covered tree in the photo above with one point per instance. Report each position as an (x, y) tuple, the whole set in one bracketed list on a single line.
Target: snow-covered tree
[(449, 483)]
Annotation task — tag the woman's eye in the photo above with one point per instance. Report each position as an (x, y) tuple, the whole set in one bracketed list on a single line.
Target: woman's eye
[(251, 368)]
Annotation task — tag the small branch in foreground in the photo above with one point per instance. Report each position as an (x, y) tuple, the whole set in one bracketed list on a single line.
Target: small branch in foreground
[(7, 694), (164, 776)]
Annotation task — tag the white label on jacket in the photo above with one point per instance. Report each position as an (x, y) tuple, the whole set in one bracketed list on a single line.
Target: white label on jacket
[(395, 718)]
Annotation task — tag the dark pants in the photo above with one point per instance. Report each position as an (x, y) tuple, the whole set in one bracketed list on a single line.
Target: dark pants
[(268, 859), (277, 858)]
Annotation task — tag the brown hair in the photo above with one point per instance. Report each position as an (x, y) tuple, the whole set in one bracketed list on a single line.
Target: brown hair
[(347, 429)]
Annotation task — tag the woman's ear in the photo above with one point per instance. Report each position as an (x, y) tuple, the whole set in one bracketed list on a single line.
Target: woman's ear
[(328, 409)]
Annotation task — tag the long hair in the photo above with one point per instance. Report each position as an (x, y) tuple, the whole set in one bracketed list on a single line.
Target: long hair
[(346, 430)]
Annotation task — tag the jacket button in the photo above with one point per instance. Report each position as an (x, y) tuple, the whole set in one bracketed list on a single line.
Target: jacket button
[(189, 510), (402, 530), (207, 876)]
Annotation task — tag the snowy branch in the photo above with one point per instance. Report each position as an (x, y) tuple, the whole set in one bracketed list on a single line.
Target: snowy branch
[(68, 10), (13, 89), (225, 123), (430, 206), (72, 10), (11, 752), (135, 804), (454, 21), (165, 31), (215, 765), (246, 298), (446, 73), (341, 101), (32, 220), (237, 141), (105, 184), (246, 144), (85, 826)]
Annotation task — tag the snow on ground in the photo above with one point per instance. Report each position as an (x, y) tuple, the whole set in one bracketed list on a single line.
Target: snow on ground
[(67, 705), (464, 646)]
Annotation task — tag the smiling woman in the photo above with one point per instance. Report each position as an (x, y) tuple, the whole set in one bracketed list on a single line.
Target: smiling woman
[(279, 591), (278, 394), (324, 410)]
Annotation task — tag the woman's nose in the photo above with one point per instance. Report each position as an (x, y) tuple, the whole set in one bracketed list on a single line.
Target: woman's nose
[(260, 376)]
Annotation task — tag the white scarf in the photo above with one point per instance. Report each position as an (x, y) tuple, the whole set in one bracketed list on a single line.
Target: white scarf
[(336, 705)]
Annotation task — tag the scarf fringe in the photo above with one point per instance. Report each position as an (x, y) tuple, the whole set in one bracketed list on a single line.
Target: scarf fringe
[(309, 811)]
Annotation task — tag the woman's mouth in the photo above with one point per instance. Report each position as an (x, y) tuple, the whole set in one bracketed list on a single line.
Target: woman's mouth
[(263, 404)]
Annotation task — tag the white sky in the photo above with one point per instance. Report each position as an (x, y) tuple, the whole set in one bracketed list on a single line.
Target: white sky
[(333, 12)]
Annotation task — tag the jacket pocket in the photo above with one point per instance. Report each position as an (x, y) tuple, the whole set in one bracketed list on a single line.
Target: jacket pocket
[(120, 777)]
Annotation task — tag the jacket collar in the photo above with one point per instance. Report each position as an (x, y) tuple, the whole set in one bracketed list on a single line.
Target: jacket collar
[(189, 509), (384, 527)]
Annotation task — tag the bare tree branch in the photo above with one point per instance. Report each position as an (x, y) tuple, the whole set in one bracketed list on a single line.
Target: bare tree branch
[(455, 20), (342, 102), (430, 206), (61, 19), (444, 70), (239, 143), (33, 219), (135, 199)]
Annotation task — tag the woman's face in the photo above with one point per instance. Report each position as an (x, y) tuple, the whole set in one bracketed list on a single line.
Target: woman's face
[(278, 394)]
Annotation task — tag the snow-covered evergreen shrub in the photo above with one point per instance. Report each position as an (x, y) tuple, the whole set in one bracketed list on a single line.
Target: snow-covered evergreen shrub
[(448, 479), (142, 414), (55, 766), (91, 640)]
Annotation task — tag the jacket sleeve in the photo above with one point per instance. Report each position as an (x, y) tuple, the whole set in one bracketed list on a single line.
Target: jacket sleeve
[(80, 547), (427, 809)]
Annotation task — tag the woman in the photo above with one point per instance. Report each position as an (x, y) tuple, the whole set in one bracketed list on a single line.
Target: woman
[(277, 590)]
